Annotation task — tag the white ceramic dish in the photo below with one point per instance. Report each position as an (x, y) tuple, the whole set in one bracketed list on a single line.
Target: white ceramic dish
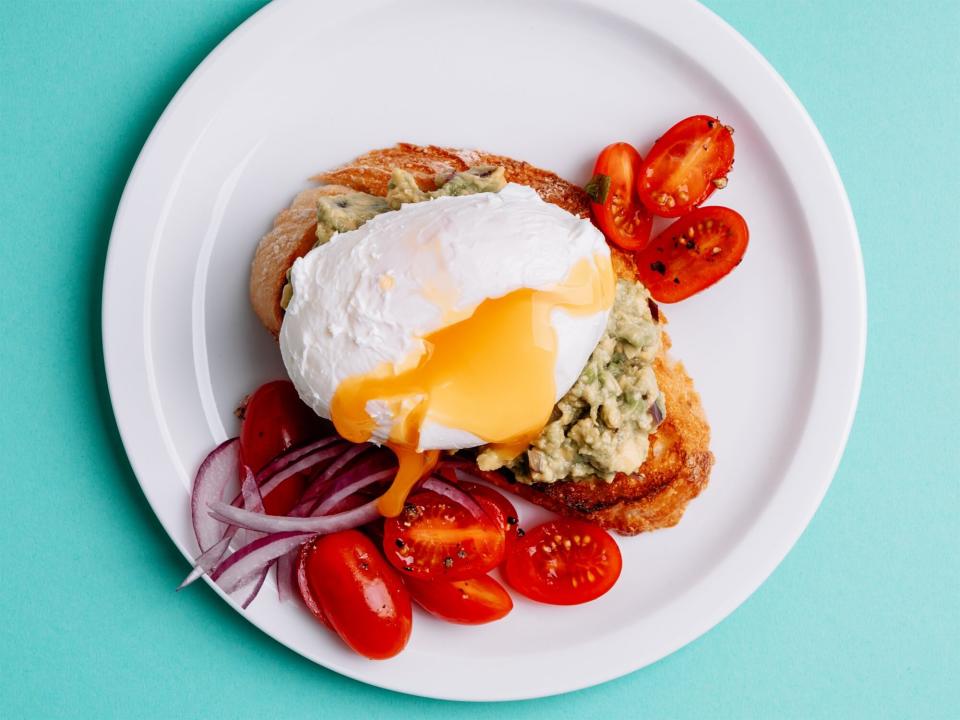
[(776, 349)]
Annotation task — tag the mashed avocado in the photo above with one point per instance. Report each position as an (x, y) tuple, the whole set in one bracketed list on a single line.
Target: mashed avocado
[(403, 188), (343, 213), (346, 212), (602, 425)]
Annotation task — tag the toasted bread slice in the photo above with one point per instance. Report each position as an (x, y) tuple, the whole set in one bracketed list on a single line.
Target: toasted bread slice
[(679, 461)]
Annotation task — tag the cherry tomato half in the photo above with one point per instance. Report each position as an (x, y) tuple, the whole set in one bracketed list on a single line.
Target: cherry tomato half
[(498, 507), (274, 420), (475, 601), (356, 592), (436, 538), (563, 562), (614, 203), (684, 166), (693, 253)]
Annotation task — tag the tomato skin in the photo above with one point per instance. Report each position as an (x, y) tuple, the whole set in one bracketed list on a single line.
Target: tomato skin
[(275, 419), (563, 562), (614, 203), (436, 538), (693, 253), (303, 584), (682, 169), (475, 601), (497, 506), (361, 597)]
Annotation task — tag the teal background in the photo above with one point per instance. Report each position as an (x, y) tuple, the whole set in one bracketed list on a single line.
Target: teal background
[(861, 619)]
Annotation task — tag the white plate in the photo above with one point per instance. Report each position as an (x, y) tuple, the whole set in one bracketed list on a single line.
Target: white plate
[(776, 349)]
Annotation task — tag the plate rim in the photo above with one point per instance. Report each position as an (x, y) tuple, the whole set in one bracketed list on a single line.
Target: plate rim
[(116, 362)]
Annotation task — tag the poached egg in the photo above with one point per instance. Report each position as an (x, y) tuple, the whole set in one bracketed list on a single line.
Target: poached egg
[(447, 324)]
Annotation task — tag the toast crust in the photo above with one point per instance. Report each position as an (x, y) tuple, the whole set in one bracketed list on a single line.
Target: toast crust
[(678, 463)]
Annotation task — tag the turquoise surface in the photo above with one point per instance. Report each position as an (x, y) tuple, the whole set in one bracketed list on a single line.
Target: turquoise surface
[(861, 619)]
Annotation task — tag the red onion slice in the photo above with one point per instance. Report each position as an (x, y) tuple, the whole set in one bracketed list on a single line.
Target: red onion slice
[(246, 569), (285, 577), (279, 523), (218, 471), (455, 494), (362, 481), (209, 559), (255, 588), (305, 462), (319, 486), (381, 459), (347, 456), (245, 564), (290, 456), (250, 494), (251, 500)]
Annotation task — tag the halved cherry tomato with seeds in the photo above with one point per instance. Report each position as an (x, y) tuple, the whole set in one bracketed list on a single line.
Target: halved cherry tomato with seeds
[(436, 538), (501, 510), (275, 419), (683, 167), (693, 253), (563, 562), (475, 601), (348, 586), (614, 203)]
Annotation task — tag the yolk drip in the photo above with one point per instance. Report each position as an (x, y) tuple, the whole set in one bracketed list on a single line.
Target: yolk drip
[(413, 466), (490, 374)]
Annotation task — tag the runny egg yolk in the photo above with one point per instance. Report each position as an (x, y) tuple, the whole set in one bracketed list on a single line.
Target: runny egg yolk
[(490, 374)]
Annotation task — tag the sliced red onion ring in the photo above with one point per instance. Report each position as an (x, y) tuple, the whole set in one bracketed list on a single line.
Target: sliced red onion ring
[(209, 559), (251, 500), (290, 456), (304, 462), (455, 494), (250, 495), (278, 523), (362, 481), (344, 459), (255, 588), (380, 459), (319, 486), (245, 564), (217, 473), (285, 578)]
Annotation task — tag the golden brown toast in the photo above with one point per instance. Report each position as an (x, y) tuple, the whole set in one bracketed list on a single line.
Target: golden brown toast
[(679, 460)]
